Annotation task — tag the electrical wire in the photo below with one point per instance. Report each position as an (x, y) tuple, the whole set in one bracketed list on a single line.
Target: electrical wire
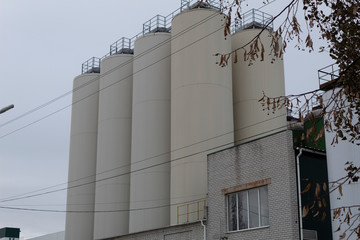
[(135, 209), (57, 98), (108, 72), (101, 203), (96, 211), (148, 158), (111, 70), (98, 77), (3, 136), (138, 170)]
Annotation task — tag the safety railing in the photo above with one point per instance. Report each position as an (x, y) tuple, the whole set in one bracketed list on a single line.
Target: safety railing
[(190, 4), (253, 19), (191, 211), (328, 73), (92, 65), (123, 45), (156, 24)]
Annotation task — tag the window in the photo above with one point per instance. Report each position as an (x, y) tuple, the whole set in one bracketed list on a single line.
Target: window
[(248, 209)]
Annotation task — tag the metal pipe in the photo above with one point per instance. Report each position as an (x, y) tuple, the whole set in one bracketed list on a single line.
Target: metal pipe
[(204, 226), (299, 190)]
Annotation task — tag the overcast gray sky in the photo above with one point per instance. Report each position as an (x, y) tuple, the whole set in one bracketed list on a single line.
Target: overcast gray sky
[(42, 46)]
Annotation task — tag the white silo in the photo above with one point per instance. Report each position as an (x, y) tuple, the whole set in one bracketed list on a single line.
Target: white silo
[(82, 159), (114, 147), (150, 187), (201, 107), (249, 82)]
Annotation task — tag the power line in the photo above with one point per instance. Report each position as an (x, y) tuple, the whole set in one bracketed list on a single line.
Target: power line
[(95, 211), (121, 210), (55, 99), (108, 72), (45, 210), (138, 170), (148, 158), (101, 203), (98, 77), (193, 26)]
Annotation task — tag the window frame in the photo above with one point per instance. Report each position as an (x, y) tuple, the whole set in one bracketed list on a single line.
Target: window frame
[(247, 190)]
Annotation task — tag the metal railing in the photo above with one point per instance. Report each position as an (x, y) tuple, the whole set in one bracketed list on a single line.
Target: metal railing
[(191, 4), (123, 45), (156, 24), (328, 73), (252, 18), (191, 211), (92, 65)]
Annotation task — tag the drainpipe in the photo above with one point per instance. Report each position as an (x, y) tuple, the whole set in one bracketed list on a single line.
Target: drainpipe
[(299, 191), (204, 226)]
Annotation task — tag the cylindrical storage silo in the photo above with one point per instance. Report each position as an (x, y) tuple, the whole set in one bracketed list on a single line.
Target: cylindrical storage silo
[(249, 83), (201, 107), (114, 147), (150, 167), (82, 159)]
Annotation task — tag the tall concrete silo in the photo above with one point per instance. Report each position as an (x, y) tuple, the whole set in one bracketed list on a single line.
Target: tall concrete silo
[(249, 82), (201, 107), (114, 147), (150, 186), (82, 159)]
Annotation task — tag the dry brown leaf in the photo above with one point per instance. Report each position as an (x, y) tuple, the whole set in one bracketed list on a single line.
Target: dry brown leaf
[(307, 188), (317, 190), (305, 211), (340, 189)]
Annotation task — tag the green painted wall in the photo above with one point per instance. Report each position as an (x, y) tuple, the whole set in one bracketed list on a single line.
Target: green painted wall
[(313, 171), (313, 135), (10, 232)]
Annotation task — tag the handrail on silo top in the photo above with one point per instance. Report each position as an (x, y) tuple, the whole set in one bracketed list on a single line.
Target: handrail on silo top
[(123, 45), (252, 19), (92, 65), (155, 24), (185, 4)]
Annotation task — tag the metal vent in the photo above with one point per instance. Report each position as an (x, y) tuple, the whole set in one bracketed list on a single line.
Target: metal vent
[(309, 234)]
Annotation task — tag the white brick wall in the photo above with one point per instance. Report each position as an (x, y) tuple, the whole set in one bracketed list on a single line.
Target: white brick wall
[(269, 157)]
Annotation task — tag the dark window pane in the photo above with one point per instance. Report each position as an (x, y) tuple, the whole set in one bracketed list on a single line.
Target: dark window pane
[(232, 212), (253, 208), (264, 206), (243, 210)]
